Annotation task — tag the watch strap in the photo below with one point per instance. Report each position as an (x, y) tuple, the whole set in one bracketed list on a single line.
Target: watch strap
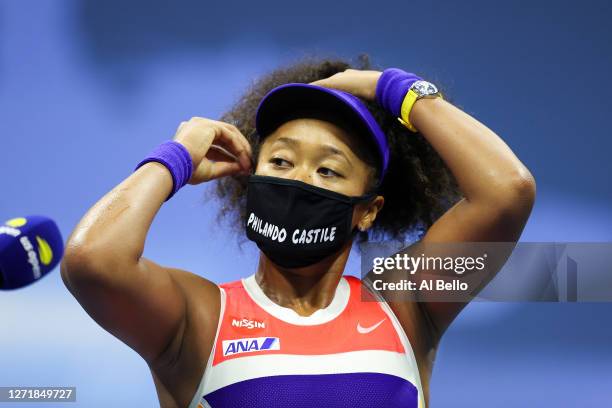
[(408, 103)]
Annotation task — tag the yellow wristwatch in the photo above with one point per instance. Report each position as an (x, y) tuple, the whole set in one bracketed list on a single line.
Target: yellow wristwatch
[(420, 89)]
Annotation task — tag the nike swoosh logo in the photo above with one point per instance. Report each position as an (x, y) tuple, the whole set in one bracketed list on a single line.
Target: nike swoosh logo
[(365, 330)]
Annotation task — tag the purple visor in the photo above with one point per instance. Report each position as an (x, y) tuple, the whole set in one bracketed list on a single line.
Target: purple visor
[(295, 100)]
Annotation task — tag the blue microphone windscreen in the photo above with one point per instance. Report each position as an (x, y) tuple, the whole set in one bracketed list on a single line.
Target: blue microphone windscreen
[(30, 247)]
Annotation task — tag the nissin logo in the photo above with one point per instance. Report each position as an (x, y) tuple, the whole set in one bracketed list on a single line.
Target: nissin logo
[(250, 345), (248, 324)]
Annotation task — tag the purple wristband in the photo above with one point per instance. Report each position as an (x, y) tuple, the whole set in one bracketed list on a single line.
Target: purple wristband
[(392, 87), (177, 160)]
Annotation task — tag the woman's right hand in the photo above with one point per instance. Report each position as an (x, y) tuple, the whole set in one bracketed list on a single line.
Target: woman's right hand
[(217, 149)]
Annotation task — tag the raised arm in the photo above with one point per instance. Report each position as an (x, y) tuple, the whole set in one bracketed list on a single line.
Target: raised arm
[(498, 190), (140, 302)]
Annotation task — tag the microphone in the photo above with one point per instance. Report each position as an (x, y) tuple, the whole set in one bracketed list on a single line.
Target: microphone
[(30, 247)]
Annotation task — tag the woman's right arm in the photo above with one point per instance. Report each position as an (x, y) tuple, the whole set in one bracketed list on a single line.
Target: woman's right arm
[(140, 302)]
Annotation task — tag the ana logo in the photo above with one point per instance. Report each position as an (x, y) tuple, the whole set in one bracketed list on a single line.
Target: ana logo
[(44, 251), (248, 324), (240, 346)]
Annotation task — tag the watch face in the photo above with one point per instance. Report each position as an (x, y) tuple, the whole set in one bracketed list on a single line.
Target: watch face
[(425, 88)]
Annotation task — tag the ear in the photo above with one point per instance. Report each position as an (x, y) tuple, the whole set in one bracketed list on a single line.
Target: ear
[(373, 208)]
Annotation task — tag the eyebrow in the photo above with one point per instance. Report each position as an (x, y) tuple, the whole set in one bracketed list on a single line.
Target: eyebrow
[(287, 140), (328, 148)]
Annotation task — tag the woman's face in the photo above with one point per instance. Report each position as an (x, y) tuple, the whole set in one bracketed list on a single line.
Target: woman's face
[(316, 152), (320, 153)]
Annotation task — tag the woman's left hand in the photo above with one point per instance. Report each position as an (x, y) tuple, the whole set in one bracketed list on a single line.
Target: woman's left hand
[(354, 81)]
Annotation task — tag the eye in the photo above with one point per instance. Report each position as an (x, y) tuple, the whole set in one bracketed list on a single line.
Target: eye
[(280, 162), (327, 172)]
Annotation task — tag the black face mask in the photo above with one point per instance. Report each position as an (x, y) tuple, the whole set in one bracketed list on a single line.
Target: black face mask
[(297, 224)]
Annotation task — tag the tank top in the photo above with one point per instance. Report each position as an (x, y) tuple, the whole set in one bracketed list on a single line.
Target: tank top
[(352, 353)]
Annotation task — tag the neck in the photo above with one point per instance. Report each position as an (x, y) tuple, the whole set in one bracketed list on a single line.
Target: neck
[(307, 289)]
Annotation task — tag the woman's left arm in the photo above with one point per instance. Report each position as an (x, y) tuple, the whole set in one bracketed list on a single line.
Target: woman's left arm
[(492, 179), (499, 191)]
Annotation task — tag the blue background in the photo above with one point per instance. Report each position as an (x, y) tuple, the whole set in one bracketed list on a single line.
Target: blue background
[(88, 88)]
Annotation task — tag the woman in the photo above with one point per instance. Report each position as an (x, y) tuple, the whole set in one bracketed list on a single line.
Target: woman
[(306, 169)]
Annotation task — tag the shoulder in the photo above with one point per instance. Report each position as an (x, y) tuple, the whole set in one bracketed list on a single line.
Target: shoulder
[(204, 297), (202, 312), (232, 285), (194, 285), (202, 300)]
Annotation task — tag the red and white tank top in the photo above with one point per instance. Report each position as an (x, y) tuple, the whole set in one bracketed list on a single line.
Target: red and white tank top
[(352, 353)]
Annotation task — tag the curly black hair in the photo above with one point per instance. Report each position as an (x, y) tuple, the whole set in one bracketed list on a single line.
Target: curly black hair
[(418, 187)]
